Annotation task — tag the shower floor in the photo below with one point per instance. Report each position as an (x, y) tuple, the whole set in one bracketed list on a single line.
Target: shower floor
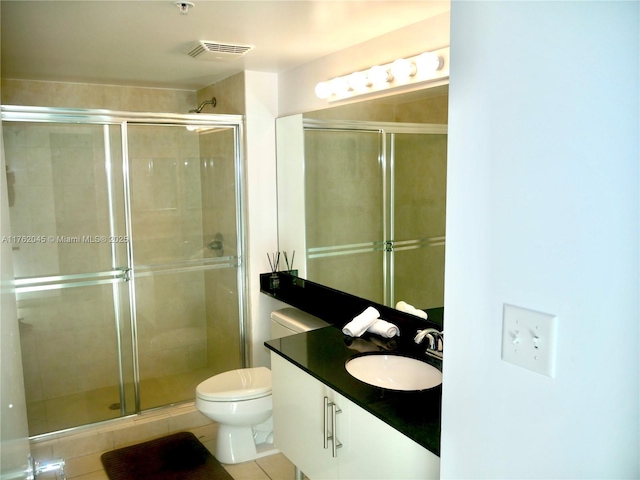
[(98, 405)]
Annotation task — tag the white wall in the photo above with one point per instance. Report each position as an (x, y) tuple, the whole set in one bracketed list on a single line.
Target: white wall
[(262, 220), (542, 212)]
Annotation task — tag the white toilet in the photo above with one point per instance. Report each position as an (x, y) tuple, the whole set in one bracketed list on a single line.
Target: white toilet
[(240, 400)]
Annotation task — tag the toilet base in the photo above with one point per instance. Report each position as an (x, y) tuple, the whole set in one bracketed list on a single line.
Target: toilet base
[(238, 444)]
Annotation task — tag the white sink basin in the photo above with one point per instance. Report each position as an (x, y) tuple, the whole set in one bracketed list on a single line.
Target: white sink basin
[(394, 372)]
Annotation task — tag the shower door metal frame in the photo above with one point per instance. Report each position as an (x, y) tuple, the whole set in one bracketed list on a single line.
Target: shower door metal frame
[(386, 159), (18, 113)]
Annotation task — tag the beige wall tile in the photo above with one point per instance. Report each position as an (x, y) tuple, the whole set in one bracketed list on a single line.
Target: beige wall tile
[(110, 97), (229, 94), (429, 110)]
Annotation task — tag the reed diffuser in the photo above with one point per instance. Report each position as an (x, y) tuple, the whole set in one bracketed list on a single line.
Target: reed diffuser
[(274, 278)]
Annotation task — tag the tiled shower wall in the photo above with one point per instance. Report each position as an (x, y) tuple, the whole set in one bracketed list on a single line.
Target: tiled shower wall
[(111, 97)]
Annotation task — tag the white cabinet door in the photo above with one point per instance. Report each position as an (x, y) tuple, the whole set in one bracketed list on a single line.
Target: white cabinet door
[(298, 419), (375, 450), (371, 449)]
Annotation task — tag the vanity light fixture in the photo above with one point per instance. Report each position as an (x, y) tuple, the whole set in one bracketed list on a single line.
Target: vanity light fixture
[(403, 71)]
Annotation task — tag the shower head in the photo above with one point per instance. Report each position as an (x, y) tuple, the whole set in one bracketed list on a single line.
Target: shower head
[(211, 102)]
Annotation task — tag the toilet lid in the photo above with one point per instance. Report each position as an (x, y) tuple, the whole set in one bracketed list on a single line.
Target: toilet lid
[(241, 384)]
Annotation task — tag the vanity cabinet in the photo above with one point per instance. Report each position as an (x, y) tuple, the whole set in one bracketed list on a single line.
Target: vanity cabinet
[(308, 416)]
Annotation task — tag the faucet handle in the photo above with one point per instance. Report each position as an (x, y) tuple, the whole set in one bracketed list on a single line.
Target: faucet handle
[(433, 341), (420, 335), (434, 337)]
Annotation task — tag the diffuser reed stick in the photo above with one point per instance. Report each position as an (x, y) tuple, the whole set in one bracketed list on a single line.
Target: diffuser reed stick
[(274, 279)]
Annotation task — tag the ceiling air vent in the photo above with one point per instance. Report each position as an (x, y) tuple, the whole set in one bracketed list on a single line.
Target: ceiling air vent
[(217, 51)]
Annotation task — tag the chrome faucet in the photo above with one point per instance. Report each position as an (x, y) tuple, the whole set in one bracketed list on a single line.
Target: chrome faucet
[(435, 339)]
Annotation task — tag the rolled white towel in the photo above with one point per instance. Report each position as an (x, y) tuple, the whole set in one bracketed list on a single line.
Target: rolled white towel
[(384, 329), (361, 322), (407, 308)]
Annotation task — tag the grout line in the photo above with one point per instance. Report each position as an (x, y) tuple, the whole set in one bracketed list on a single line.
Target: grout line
[(260, 467)]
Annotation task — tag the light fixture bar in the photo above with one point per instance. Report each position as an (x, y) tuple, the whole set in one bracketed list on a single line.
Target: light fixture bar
[(417, 69)]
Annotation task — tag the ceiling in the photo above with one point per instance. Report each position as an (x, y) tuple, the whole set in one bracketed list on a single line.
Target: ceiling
[(145, 42)]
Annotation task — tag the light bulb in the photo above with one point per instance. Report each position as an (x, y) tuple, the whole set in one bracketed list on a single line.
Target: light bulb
[(402, 69), (358, 81), (428, 63), (323, 90), (340, 85), (378, 75)]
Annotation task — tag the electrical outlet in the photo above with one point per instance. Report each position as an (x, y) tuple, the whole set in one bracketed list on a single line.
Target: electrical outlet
[(529, 339)]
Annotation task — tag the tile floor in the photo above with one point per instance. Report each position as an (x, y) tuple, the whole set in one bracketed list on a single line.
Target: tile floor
[(82, 449), (273, 467)]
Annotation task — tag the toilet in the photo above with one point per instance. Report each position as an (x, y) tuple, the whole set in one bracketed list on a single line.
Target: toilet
[(240, 400)]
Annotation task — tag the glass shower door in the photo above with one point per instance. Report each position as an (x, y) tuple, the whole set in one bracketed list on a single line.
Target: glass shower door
[(184, 224), (419, 170), (70, 250), (344, 202), (127, 244)]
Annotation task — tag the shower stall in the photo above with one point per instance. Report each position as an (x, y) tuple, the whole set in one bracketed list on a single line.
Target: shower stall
[(375, 201), (127, 235)]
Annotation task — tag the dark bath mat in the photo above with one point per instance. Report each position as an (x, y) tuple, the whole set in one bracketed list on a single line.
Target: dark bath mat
[(180, 456)]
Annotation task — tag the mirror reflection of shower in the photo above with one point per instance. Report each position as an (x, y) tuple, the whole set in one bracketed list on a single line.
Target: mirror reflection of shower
[(375, 210), (369, 181)]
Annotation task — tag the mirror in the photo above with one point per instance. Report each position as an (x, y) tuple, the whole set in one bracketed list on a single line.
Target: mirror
[(362, 196)]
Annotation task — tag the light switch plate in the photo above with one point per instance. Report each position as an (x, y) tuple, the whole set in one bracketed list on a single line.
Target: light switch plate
[(529, 339)]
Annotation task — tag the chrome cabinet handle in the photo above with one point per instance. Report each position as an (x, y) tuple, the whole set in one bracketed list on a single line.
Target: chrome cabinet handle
[(326, 422), (335, 444), (334, 434)]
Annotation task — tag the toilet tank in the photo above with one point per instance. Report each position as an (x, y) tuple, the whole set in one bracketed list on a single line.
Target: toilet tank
[(290, 320)]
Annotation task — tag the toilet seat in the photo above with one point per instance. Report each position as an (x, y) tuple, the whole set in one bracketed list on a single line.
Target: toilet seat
[(234, 385)]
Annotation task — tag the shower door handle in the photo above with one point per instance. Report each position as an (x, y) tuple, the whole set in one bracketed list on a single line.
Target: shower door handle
[(217, 245)]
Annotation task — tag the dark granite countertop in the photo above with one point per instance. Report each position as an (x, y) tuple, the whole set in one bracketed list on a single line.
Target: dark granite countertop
[(415, 414)]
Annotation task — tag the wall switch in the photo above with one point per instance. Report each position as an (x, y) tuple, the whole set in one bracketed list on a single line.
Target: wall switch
[(529, 339)]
